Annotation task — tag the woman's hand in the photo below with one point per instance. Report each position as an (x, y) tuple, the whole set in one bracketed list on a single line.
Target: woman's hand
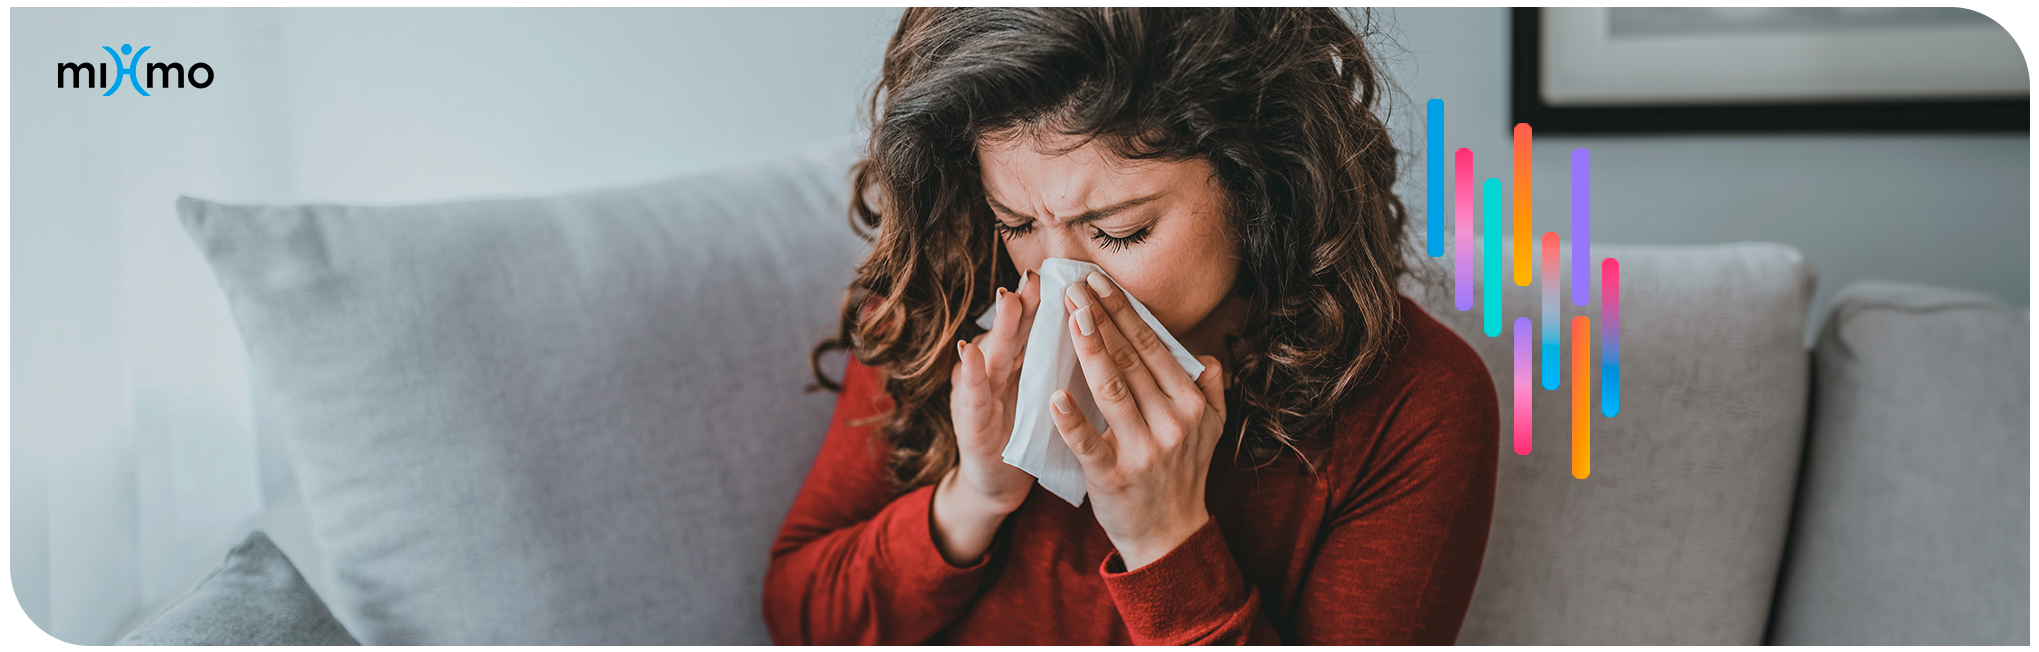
[(984, 388), (1146, 472)]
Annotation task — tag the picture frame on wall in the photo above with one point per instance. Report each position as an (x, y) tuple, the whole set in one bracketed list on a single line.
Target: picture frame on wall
[(1765, 69)]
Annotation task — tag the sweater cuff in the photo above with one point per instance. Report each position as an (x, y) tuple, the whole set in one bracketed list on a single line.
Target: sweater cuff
[(1175, 599), (910, 551)]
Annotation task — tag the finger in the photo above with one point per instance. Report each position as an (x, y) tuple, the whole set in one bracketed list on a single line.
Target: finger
[(1001, 344), (1029, 296), (1096, 451), (1130, 363), (1030, 291), (972, 394), (1008, 334), (1168, 373), (1108, 384)]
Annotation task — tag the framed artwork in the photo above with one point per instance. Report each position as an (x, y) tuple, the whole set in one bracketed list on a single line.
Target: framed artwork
[(1680, 69)]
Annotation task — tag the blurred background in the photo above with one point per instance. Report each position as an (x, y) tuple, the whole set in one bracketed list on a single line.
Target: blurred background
[(139, 453)]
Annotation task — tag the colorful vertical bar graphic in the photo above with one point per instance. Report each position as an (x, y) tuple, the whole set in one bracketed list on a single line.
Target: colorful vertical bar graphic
[(1462, 236), (1522, 393), (1582, 397), (1433, 165), (1500, 223), (1582, 227), (1490, 261), (1522, 204), (1610, 337), (1550, 310)]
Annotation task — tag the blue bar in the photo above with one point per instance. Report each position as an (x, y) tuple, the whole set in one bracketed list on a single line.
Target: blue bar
[(1435, 164), (1610, 389)]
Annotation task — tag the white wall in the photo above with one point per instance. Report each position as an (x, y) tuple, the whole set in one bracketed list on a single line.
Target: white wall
[(136, 455), (135, 458)]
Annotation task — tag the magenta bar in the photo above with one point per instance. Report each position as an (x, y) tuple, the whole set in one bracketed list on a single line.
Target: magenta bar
[(1522, 384), (1462, 232)]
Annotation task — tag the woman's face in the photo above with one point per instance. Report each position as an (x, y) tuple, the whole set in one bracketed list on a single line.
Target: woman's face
[(1158, 228)]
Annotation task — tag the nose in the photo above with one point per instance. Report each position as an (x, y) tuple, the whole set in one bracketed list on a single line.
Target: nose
[(1066, 242)]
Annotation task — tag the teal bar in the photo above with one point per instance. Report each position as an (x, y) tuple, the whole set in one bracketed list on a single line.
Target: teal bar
[(1491, 265)]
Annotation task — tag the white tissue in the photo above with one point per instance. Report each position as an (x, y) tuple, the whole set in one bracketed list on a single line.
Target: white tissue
[(1050, 364)]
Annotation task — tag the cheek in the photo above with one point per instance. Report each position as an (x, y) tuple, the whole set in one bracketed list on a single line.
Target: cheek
[(1024, 253), (1180, 280)]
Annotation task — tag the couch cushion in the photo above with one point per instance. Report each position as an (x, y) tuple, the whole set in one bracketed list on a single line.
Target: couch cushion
[(255, 597), (535, 421), (1913, 519), (1675, 535)]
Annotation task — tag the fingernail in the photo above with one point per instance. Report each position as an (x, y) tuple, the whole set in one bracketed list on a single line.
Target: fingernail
[(1099, 284), (959, 348), (1001, 294), (1061, 401), (1084, 322), (1029, 278), (1077, 296)]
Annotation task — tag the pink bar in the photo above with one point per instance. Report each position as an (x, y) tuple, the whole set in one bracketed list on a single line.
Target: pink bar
[(1523, 425), (1462, 233)]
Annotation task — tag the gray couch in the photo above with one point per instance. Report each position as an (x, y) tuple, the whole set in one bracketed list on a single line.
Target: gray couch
[(580, 419)]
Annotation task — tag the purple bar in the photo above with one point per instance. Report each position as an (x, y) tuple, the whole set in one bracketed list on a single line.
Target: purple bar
[(1582, 227)]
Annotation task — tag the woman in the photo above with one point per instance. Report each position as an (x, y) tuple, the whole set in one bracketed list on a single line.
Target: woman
[(1227, 169)]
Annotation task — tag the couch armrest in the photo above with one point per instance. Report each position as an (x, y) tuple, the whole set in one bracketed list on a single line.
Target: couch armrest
[(255, 597), (1913, 513)]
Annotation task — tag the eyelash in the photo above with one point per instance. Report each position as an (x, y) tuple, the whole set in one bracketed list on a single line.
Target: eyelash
[(1120, 244), (1110, 243), (1009, 232)]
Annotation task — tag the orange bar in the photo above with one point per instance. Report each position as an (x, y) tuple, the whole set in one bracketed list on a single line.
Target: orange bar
[(1522, 193), (1582, 397)]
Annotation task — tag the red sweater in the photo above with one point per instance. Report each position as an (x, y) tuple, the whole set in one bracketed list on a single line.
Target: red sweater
[(1382, 546)]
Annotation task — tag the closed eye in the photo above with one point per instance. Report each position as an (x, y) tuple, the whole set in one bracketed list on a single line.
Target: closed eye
[(1009, 232), (1111, 243)]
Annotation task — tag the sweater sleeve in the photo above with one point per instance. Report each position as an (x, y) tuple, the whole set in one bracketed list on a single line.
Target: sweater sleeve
[(853, 563), (1395, 564), (1194, 595), (1402, 552)]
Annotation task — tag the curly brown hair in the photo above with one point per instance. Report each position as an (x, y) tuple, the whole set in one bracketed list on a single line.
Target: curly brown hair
[(1281, 104)]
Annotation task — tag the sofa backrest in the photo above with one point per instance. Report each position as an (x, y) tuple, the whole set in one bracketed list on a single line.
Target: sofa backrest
[(579, 419), (1675, 534), (573, 419)]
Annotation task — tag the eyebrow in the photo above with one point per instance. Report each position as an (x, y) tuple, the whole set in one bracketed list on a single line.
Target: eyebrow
[(1085, 218)]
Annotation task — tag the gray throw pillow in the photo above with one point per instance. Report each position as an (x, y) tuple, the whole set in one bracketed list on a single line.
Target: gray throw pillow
[(1674, 536), (255, 598), (561, 420), (1913, 523)]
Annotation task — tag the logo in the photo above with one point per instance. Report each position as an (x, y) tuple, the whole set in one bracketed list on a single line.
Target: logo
[(126, 72)]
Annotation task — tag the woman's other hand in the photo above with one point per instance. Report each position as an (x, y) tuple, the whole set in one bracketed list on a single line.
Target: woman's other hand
[(1146, 472), (984, 390)]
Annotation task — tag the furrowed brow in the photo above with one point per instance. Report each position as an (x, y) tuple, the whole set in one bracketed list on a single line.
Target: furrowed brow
[(1085, 218)]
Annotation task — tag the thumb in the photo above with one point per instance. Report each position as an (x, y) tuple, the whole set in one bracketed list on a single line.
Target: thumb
[(1212, 382)]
